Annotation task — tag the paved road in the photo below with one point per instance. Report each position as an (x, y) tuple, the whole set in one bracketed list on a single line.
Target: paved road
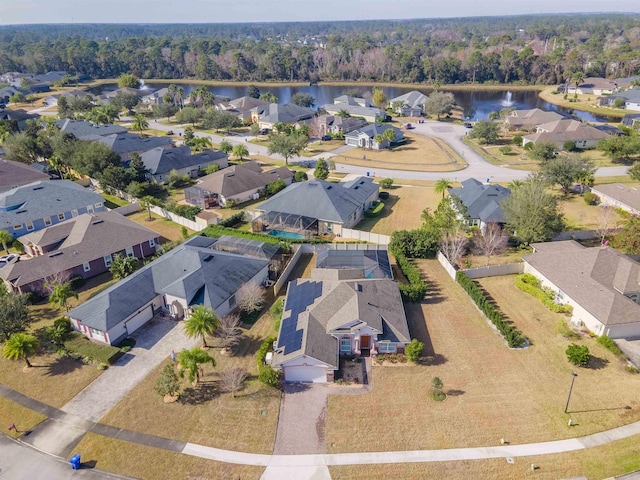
[(18, 462)]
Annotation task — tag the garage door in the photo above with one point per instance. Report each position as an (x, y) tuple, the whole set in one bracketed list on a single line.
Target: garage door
[(139, 319), (305, 374)]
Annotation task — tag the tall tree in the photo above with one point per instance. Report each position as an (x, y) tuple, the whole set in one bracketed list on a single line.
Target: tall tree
[(565, 170), (191, 362), (438, 103), (60, 295), (20, 346), (491, 241), (486, 131), (200, 144), (634, 171), (202, 322), (128, 80), (14, 315), (140, 123), (321, 172), (5, 238), (287, 145), (122, 266), (302, 100), (240, 151), (225, 146), (379, 98)]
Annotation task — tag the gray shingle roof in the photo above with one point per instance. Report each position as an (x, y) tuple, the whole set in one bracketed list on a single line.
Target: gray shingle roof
[(81, 129), (593, 277), (332, 202), (15, 174), (123, 143), (76, 241), (482, 201), (190, 272), (374, 129), (285, 113), (622, 193), (40, 199), (413, 98), (354, 110), (162, 160)]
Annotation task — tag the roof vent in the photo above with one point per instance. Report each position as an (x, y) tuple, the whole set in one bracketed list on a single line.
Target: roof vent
[(208, 258), (55, 254), (21, 211), (329, 187), (38, 188)]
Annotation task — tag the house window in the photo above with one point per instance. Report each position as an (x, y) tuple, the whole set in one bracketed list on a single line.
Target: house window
[(47, 221), (17, 226), (90, 209), (129, 252), (232, 301), (387, 347), (86, 267), (61, 216), (99, 205), (107, 260), (74, 213), (152, 243), (29, 226), (345, 344), (95, 332)]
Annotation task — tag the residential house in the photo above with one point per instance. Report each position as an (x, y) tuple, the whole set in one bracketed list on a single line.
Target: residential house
[(162, 160), (620, 196), (81, 246), (155, 98), (242, 107), (83, 130), (560, 132), (410, 104), (52, 100), (529, 119), (324, 319), (356, 107), (601, 284), (482, 203), (631, 120), (19, 116), (16, 174), (190, 275), (593, 86), (108, 97), (365, 137), (238, 184), (316, 207), (336, 125), (629, 99), (7, 92), (266, 116), (627, 82), (124, 144), (38, 205)]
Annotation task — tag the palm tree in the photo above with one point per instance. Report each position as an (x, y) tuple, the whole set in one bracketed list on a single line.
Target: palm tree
[(240, 151), (200, 144), (146, 202), (61, 293), (190, 361), (513, 184), (20, 345), (578, 77), (202, 322), (5, 238), (140, 123), (225, 146), (442, 185)]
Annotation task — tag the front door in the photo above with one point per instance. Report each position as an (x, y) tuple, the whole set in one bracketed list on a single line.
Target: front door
[(365, 345)]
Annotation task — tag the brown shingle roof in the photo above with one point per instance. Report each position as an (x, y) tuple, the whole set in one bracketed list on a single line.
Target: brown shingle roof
[(241, 178), (621, 193)]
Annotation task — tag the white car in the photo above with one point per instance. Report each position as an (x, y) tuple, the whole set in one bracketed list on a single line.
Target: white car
[(4, 259)]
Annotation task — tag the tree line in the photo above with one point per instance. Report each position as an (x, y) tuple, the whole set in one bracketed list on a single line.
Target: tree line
[(529, 50)]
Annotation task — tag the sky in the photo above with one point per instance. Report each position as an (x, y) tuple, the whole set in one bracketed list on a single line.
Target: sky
[(223, 11)]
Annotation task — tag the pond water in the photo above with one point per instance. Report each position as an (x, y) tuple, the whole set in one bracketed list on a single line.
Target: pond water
[(476, 104)]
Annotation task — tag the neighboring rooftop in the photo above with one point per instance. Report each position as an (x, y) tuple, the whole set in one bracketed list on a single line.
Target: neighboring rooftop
[(161, 160), (285, 113), (241, 178), (366, 263), (482, 201), (16, 174), (123, 143), (82, 129), (629, 196)]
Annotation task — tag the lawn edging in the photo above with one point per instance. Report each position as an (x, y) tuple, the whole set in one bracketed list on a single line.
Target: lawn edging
[(514, 337)]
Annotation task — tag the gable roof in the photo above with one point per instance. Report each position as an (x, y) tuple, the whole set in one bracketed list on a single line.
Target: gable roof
[(332, 202), (630, 118), (531, 118), (198, 275), (314, 310), (76, 241), (565, 130), (355, 110), (82, 129), (621, 193), (632, 95), (18, 115), (40, 199), (123, 143), (241, 178), (412, 99), (482, 201), (246, 103), (15, 174), (162, 160), (593, 277), (373, 129), (285, 113)]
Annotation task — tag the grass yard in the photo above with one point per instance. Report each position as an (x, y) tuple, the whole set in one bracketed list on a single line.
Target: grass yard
[(111, 201), (493, 392), (585, 103), (23, 418), (579, 215), (511, 255), (601, 462), (204, 414), (419, 153), (402, 210), (149, 463), (322, 147), (169, 231)]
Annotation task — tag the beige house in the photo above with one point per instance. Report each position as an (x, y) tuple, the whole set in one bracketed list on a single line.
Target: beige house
[(560, 132), (601, 284), (529, 119), (620, 196), (593, 86)]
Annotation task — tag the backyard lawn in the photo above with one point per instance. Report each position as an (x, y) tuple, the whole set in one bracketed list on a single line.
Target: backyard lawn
[(580, 216), (169, 231), (402, 210), (149, 463), (492, 392), (419, 153)]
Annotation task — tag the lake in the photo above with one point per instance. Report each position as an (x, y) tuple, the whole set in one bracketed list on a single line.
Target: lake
[(476, 105)]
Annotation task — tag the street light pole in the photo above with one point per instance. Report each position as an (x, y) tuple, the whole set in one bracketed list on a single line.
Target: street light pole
[(573, 377)]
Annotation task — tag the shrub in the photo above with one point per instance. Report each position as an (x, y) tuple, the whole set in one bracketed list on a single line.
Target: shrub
[(413, 350), (386, 183), (187, 211), (578, 355), (266, 374), (77, 281), (300, 176), (631, 369), (517, 140), (383, 195), (528, 146), (609, 344), (233, 220), (417, 288), (531, 285), (215, 231), (590, 198), (512, 335), (276, 309), (565, 331), (81, 346), (569, 145), (506, 150)]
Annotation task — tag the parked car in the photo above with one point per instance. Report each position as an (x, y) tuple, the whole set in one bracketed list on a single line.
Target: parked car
[(326, 138), (264, 131), (408, 126), (5, 259)]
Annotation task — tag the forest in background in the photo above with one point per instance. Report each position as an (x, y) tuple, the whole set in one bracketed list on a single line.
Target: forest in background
[(538, 49)]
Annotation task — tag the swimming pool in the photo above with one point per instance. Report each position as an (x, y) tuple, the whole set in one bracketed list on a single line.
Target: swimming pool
[(281, 234)]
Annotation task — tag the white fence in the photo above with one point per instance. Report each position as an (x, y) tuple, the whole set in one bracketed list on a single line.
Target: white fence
[(366, 236), (128, 209), (282, 281), (178, 219), (582, 235), (482, 272)]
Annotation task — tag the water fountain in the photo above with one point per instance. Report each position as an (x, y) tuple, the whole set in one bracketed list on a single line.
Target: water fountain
[(143, 86), (508, 100)]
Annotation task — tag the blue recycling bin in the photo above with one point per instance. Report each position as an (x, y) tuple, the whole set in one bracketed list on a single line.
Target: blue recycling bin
[(75, 461)]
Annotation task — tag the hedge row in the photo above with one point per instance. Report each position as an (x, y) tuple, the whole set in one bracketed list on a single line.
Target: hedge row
[(512, 335), (417, 288), (531, 285), (233, 220), (81, 345)]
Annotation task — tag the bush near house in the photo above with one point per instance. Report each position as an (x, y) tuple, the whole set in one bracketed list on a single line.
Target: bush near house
[(531, 285), (375, 211), (413, 350), (609, 344), (417, 288), (512, 335), (233, 220), (590, 198), (578, 355), (78, 344), (266, 374)]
